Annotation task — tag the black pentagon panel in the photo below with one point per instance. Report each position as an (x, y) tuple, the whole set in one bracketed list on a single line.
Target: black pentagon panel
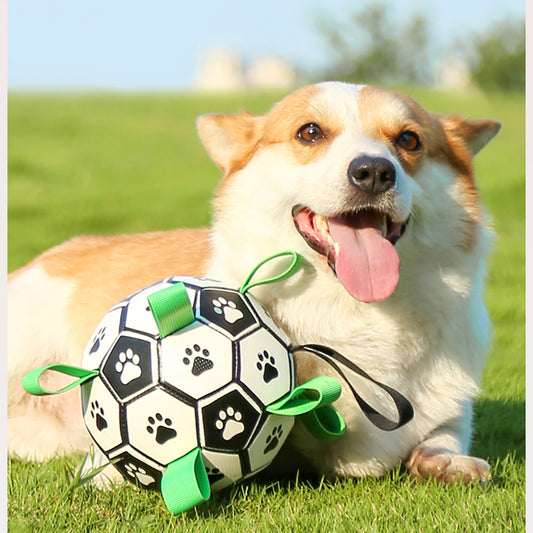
[(227, 311), (229, 422), (128, 368), (138, 471)]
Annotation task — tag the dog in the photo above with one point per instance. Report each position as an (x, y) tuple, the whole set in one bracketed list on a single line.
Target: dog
[(378, 196)]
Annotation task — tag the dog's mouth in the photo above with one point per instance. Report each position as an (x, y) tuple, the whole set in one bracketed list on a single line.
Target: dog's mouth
[(359, 247)]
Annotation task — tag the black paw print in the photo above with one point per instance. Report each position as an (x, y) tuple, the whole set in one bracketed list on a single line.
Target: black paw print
[(266, 363), (200, 364), (214, 474), (163, 432), (273, 439), (98, 339), (97, 413)]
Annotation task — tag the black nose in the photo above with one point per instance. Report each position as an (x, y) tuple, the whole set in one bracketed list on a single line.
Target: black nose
[(372, 174)]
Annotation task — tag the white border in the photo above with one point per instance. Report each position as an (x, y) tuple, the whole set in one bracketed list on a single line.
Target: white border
[(3, 259)]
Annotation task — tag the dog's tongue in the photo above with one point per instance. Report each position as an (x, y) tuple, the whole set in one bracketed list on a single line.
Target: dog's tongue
[(367, 264)]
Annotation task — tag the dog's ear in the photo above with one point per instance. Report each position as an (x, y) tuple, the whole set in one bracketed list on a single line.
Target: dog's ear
[(476, 134), (230, 140)]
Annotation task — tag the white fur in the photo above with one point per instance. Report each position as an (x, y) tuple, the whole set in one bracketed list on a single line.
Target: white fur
[(428, 339), (38, 335)]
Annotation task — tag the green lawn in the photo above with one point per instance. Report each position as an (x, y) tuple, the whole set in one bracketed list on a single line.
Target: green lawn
[(109, 163)]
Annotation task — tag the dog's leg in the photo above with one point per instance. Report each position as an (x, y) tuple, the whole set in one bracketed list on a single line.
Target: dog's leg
[(443, 455), (39, 435), (40, 427)]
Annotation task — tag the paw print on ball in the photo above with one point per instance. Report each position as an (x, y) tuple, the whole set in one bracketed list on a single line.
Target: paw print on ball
[(200, 361), (138, 473), (128, 367), (100, 335), (137, 468), (268, 441), (228, 309), (273, 439), (267, 365), (160, 428), (97, 412), (229, 423), (196, 360), (213, 474)]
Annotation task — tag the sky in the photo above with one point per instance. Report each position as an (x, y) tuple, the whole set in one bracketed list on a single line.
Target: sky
[(132, 44)]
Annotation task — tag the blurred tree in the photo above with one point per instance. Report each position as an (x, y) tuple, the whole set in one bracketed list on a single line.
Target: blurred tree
[(498, 58), (370, 47)]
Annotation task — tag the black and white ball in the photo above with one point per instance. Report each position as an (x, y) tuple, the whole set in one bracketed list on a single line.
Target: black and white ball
[(206, 385)]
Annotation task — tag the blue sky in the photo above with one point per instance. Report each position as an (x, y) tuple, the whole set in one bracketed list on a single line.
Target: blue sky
[(136, 44)]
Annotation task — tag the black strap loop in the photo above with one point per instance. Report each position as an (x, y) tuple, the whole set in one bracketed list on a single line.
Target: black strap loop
[(404, 407)]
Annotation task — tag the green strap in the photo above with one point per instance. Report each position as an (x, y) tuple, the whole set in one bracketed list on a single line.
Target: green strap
[(185, 483), (324, 423), (31, 384), (312, 401), (289, 271), (171, 308)]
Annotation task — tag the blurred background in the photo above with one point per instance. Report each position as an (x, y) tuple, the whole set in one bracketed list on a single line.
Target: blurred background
[(103, 95), (232, 45)]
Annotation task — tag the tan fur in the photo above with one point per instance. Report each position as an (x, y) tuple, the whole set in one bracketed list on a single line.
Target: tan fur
[(231, 138), (428, 339), (141, 260), (384, 114)]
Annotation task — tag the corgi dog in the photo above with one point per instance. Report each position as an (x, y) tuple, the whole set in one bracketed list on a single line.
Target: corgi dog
[(378, 196)]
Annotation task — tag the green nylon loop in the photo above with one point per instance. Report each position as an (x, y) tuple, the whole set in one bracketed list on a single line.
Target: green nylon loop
[(311, 400), (289, 271), (324, 423), (30, 382), (171, 308), (185, 483), (312, 394)]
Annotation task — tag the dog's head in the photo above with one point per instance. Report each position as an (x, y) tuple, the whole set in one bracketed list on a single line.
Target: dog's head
[(344, 173)]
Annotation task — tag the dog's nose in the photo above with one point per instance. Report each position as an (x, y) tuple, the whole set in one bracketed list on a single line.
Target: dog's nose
[(372, 174)]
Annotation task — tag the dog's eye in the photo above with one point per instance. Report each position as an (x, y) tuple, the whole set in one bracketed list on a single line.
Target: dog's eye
[(408, 140), (310, 133)]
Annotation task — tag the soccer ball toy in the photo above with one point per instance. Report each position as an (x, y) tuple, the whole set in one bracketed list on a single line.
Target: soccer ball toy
[(189, 387), (205, 385)]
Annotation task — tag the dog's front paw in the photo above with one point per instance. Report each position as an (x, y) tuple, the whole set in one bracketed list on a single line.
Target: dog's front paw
[(447, 466)]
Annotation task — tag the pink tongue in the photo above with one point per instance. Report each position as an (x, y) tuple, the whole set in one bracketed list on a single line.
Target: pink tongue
[(367, 264)]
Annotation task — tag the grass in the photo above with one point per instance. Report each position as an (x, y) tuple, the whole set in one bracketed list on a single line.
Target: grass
[(108, 163)]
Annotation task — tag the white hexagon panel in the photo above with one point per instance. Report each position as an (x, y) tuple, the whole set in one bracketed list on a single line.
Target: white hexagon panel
[(223, 469), (101, 413), (268, 441), (102, 339), (196, 360), (161, 426), (139, 315), (265, 366)]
